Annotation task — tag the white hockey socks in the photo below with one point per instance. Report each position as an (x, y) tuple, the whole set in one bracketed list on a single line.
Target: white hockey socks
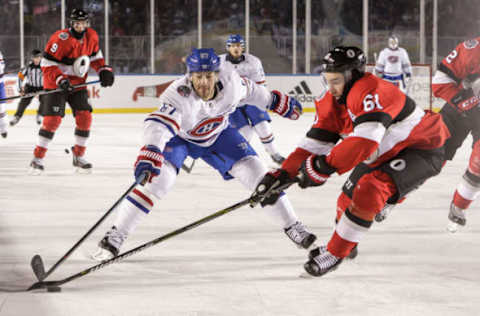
[(133, 209)]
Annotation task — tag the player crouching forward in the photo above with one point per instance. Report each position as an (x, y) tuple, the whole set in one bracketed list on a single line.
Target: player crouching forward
[(400, 145), (193, 121)]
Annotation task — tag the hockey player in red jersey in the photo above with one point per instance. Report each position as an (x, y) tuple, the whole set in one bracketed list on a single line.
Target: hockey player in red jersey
[(393, 145), (457, 81), (67, 57)]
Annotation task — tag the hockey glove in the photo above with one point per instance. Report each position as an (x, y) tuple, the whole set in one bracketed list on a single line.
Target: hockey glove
[(314, 171), (285, 105), (149, 160), (106, 76), (465, 100), (268, 190), (64, 84)]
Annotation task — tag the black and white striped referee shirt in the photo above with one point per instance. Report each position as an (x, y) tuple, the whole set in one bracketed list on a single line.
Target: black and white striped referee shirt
[(32, 75)]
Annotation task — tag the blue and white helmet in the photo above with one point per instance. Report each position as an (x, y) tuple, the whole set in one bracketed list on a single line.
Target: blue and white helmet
[(203, 59), (234, 39)]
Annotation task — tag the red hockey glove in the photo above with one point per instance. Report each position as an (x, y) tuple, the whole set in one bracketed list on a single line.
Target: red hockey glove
[(269, 189), (465, 100), (314, 171), (149, 160), (285, 105)]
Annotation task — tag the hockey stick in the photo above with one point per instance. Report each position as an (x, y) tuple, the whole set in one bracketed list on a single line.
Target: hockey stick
[(42, 92), (37, 262), (186, 168), (120, 257)]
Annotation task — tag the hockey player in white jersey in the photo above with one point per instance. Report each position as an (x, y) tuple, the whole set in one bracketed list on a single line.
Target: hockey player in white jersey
[(393, 65), (3, 110), (249, 119), (192, 120)]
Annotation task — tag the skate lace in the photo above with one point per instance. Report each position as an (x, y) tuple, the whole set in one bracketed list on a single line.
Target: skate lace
[(325, 259), (297, 232), (79, 160), (115, 238)]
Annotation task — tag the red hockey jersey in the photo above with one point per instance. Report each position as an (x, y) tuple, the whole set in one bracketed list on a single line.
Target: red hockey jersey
[(61, 51), (462, 63), (377, 122)]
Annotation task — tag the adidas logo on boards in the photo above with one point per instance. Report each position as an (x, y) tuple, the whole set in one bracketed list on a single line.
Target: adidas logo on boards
[(302, 92)]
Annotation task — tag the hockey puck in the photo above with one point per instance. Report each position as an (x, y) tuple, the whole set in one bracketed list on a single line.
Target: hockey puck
[(54, 289), (67, 150)]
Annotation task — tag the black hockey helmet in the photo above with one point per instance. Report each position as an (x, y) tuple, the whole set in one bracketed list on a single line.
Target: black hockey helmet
[(347, 60), (344, 58), (78, 15), (36, 53)]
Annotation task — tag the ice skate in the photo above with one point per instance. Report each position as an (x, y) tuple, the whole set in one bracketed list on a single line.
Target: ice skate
[(322, 263), (277, 158), (456, 218), (109, 246), (81, 164), (300, 236), (380, 217), (4, 134), (14, 120), (316, 251), (36, 167)]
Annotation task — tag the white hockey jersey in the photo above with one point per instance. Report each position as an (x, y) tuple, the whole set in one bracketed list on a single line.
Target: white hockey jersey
[(2, 67), (250, 67), (393, 63), (183, 113)]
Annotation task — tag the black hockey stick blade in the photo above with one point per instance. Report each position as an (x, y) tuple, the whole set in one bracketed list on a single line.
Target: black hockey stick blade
[(44, 285), (38, 267)]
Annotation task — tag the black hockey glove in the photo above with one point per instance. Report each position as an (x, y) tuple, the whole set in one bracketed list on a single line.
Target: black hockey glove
[(65, 85), (271, 187), (465, 100), (106, 76), (314, 171)]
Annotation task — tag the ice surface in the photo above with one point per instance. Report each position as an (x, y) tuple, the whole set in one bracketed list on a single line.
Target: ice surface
[(239, 264)]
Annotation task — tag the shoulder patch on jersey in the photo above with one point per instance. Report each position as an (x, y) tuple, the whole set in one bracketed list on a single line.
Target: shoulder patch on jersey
[(470, 44), (184, 91), (63, 35)]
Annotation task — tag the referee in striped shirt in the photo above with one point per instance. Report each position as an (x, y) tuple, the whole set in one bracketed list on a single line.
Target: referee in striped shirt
[(30, 79)]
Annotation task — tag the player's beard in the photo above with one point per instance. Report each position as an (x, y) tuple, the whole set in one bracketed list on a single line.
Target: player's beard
[(205, 92)]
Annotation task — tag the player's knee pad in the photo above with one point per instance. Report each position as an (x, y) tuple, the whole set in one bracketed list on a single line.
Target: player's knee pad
[(83, 120), (343, 202), (247, 132), (49, 126), (474, 163), (249, 171), (371, 193), (162, 183), (51, 123), (264, 131)]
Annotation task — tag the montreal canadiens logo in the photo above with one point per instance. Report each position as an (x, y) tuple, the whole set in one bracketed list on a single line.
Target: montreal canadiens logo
[(206, 127), (393, 59)]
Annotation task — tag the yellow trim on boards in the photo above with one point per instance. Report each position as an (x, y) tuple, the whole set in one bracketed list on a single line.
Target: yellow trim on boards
[(137, 110)]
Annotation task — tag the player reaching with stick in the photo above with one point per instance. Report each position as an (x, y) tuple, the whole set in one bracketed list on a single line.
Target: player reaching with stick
[(192, 120), (399, 144)]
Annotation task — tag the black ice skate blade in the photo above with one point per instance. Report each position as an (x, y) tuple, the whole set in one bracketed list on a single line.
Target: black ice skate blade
[(38, 267)]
